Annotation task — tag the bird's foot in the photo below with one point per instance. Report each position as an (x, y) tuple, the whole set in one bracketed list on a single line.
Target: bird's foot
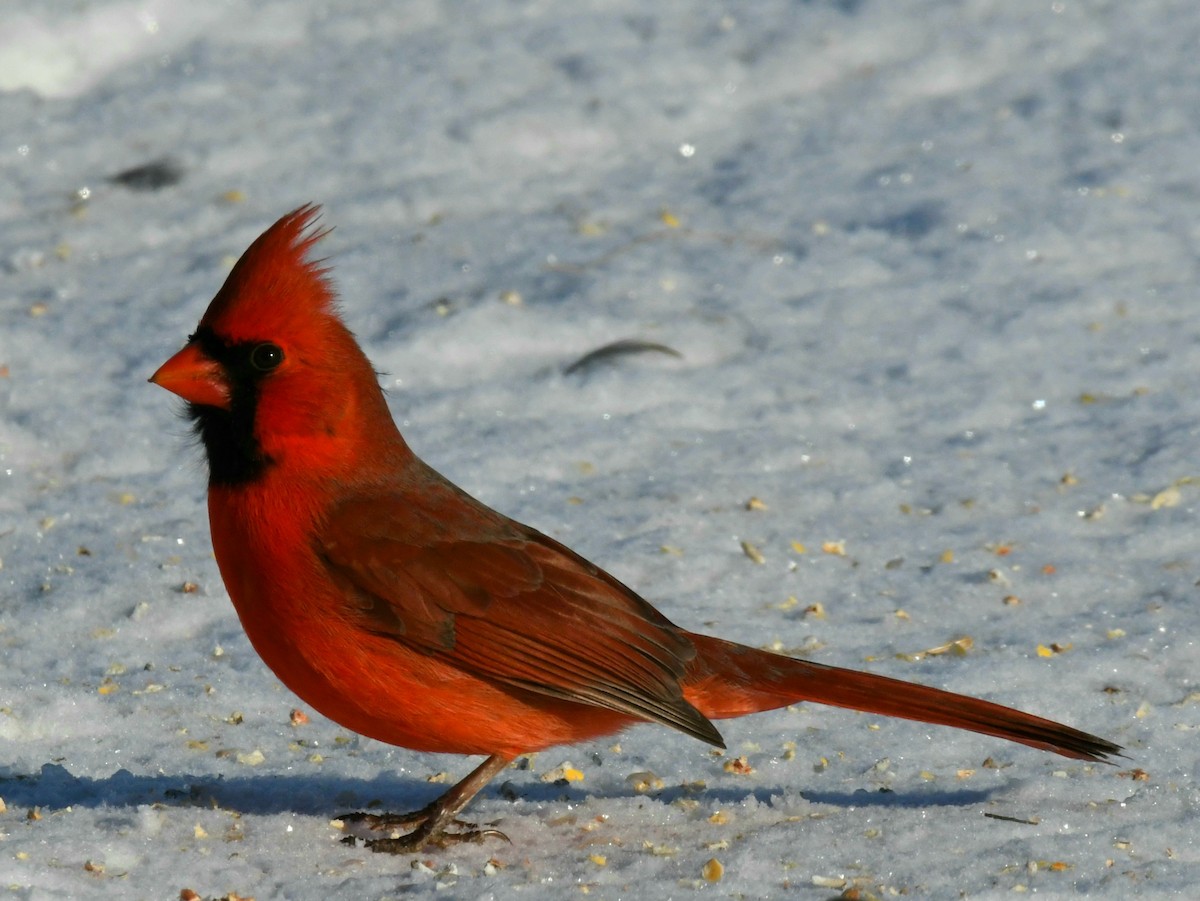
[(407, 833), (431, 824)]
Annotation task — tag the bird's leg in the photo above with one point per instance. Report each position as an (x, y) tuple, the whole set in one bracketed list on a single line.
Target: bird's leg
[(432, 820)]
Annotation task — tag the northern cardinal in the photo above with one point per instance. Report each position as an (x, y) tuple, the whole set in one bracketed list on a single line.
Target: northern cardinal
[(402, 608)]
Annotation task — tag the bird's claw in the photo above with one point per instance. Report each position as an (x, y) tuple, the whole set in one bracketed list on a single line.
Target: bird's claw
[(356, 824), (419, 838), (408, 844)]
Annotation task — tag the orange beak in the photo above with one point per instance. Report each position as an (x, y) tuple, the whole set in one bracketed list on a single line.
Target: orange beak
[(194, 377)]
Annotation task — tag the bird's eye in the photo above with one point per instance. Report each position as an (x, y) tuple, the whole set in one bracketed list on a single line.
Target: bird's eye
[(266, 356)]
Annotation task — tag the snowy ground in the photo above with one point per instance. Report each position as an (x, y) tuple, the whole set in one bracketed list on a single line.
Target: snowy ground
[(931, 269)]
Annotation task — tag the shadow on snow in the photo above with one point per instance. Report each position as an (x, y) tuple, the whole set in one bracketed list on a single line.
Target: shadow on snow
[(54, 787)]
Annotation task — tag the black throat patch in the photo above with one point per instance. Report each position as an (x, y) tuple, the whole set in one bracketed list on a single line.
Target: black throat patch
[(235, 456)]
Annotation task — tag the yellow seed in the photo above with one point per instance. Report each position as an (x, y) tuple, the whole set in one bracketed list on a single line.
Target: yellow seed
[(739, 765), (752, 552), (713, 871), (565, 770), (643, 782), (1168, 497)]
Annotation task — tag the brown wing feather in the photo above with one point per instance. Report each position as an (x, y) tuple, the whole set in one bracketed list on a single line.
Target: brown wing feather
[(504, 602)]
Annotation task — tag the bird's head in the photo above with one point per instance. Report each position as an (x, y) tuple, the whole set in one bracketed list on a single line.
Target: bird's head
[(271, 370)]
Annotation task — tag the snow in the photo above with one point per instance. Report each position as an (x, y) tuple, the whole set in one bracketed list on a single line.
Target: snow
[(930, 267)]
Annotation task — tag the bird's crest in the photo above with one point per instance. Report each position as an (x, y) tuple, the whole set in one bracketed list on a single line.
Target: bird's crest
[(274, 288)]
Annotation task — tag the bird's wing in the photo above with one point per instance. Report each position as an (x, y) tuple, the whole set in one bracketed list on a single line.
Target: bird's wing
[(447, 576)]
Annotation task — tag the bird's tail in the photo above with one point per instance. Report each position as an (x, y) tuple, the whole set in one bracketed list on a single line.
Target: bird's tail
[(726, 680)]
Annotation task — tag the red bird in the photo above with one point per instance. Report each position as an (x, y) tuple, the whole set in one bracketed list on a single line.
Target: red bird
[(404, 609)]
